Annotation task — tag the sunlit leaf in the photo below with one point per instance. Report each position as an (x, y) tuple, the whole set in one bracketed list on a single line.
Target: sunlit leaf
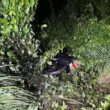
[(5, 3), (10, 54), (32, 3), (15, 28)]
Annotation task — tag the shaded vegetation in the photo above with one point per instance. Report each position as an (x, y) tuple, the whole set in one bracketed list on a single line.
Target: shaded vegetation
[(82, 27)]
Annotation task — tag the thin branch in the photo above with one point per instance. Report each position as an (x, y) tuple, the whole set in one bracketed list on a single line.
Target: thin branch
[(2, 66), (71, 101)]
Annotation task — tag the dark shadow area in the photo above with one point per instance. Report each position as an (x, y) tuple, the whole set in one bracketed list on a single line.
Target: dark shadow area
[(45, 10)]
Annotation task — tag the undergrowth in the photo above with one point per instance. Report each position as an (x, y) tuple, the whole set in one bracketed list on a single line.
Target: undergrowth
[(22, 84)]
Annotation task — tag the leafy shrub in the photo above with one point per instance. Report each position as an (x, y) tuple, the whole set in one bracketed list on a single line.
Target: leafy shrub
[(59, 94), (16, 17), (18, 55), (89, 41), (19, 50), (83, 10), (105, 105), (15, 20)]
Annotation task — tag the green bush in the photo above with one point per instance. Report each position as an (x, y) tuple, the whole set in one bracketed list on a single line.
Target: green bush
[(15, 20), (89, 40), (16, 17), (18, 53), (19, 50), (105, 105)]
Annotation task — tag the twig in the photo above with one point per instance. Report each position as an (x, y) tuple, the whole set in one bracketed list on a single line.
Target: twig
[(71, 101), (6, 65)]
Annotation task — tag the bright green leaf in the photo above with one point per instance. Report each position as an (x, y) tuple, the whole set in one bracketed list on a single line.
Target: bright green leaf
[(26, 2), (32, 2), (10, 54), (5, 3), (15, 28), (25, 30), (4, 21), (27, 10)]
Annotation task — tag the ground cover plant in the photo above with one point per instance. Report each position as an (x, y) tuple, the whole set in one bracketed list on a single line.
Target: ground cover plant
[(23, 56)]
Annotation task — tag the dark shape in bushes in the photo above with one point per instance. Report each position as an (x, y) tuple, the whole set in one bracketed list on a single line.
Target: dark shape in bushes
[(61, 63)]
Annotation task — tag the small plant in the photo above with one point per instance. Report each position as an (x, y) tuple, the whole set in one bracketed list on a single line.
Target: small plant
[(106, 104)]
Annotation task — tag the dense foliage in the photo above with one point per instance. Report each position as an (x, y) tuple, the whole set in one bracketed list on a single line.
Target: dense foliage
[(82, 28), (13, 97), (18, 53)]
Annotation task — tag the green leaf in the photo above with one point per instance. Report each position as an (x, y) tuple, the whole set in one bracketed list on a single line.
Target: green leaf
[(27, 10), (13, 21), (105, 105), (3, 12), (10, 54), (9, 27), (26, 2), (4, 21), (15, 28), (12, 13), (12, 68), (5, 3), (54, 104), (34, 55), (6, 29), (83, 108), (63, 107), (13, 2), (25, 30), (32, 2)]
